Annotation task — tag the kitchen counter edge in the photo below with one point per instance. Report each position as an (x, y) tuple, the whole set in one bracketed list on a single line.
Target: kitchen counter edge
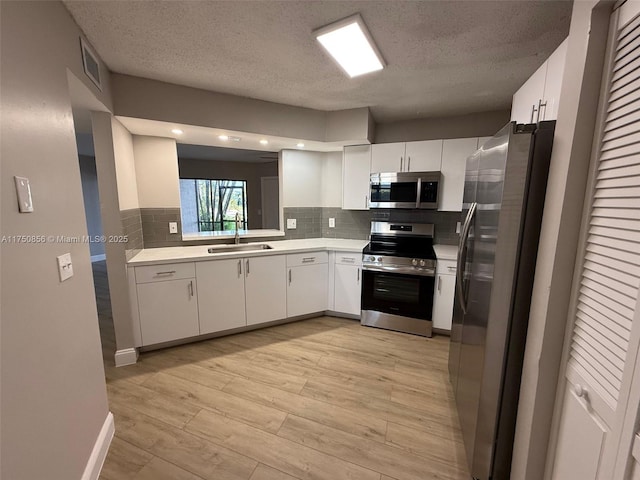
[(163, 255)]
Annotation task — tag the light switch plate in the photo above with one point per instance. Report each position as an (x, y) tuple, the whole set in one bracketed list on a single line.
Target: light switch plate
[(23, 190), (65, 267), (291, 223), (332, 223), (173, 227)]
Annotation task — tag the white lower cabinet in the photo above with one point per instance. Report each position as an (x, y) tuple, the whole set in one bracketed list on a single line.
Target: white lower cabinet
[(265, 288), (221, 295), (307, 283), (444, 294), (347, 283), (168, 310)]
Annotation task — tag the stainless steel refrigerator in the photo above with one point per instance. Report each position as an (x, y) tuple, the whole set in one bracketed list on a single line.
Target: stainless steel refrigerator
[(504, 195)]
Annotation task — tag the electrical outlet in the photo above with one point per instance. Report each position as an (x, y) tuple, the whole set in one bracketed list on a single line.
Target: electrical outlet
[(332, 223), (291, 223), (173, 227), (65, 267), (458, 227)]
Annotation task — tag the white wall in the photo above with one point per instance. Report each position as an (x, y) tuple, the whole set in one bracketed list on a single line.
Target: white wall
[(125, 166), (302, 178), (331, 183), (156, 165), (53, 401)]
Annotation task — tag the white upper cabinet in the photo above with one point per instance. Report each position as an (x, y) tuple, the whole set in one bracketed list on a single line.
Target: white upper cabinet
[(423, 156), (538, 98), (553, 82), (454, 160), (387, 157), (356, 167)]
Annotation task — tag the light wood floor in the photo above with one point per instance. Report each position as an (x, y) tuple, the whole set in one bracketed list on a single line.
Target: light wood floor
[(318, 399)]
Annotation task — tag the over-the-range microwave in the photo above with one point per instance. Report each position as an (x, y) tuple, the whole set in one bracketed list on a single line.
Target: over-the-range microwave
[(404, 190)]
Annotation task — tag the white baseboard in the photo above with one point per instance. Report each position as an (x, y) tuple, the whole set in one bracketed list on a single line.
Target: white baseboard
[(100, 449), (128, 356), (98, 258)]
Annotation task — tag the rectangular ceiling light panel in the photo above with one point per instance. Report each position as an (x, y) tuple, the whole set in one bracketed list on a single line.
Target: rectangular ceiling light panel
[(348, 41)]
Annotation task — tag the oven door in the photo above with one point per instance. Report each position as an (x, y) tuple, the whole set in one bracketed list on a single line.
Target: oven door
[(399, 294)]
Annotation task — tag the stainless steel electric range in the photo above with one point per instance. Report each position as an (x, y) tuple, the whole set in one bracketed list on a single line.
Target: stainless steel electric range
[(398, 277)]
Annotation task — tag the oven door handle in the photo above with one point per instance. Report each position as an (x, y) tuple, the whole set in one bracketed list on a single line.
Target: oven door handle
[(462, 247), (425, 272)]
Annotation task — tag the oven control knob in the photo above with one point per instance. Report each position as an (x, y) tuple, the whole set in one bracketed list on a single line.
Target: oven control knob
[(379, 259), (422, 263), (414, 262)]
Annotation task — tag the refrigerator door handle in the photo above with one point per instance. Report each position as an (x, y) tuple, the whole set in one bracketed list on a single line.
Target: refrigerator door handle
[(464, 236)]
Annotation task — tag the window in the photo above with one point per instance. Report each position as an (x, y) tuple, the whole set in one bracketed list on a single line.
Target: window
[(212, 205)]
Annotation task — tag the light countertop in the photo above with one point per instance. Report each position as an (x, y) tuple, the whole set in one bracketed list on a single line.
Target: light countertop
[(154, 256), (446, 252)]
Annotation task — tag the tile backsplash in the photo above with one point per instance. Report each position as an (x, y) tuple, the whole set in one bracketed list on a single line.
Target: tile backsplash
[(149, 227), (313, 222)]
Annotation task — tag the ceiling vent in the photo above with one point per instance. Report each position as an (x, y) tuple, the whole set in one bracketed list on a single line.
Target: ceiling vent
[(91, 64)]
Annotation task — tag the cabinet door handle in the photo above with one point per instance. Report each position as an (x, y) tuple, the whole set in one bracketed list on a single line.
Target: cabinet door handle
[(358, 275), (247, 267), (408, 164), (191, 288), (439, 283), (289, 276), (239, 268), (401, 163), (541, 105), (365, 201), (533, 112), (308, 259), (168, 272)]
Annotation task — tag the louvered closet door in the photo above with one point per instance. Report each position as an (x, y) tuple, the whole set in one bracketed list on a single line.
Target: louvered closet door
[(604, 341)]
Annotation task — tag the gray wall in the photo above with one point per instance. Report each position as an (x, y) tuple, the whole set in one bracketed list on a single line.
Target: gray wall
[(91, 197), (482, 124), (53, 401), (219, 170), (192, 106)]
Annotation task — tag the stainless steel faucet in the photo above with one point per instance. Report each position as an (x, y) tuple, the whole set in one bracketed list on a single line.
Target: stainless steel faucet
[(237, 238)]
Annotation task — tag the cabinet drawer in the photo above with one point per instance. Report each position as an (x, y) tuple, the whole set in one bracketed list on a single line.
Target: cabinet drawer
[(161, 273), (309, 258), (348, 258), (446, 267)]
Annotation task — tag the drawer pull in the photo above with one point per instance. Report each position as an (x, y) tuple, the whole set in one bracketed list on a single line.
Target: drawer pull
[(348, 260), (169, 272), (308, 259), (451, 269)]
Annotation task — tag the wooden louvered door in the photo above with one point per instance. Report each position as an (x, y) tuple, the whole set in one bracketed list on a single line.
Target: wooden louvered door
[(594, 434)]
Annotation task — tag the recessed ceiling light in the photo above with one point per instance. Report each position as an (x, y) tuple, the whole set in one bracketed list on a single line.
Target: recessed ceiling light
[(350, 44), (177, 131), (264, 142), (300, 145), (223, 137)]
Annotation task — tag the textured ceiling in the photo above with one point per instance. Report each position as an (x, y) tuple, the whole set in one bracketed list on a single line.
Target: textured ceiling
[(443, 57)]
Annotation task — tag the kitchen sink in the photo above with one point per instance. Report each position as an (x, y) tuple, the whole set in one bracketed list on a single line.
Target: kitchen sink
[(239, 248)]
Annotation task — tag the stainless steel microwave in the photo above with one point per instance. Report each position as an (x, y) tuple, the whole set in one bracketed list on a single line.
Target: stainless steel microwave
[(404, 190)]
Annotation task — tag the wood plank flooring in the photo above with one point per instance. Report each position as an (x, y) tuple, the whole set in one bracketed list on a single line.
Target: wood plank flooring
[(320, 399)]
